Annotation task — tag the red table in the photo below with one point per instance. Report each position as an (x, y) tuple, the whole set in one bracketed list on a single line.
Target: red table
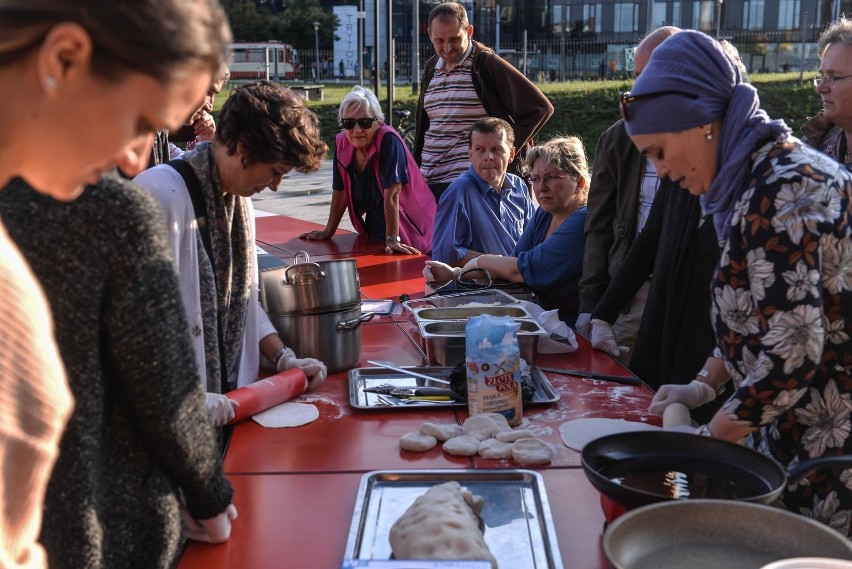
[(296, 488)]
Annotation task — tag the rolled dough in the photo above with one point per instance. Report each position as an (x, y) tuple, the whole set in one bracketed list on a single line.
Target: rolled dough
[(485, 425), (464, 445), (531, 452), (493, 448), (441, 431), (579, 432), (417, 442), (443, 523), (287, 414)]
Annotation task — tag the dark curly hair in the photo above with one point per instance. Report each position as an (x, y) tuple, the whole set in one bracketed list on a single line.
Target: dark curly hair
[(273, 125)]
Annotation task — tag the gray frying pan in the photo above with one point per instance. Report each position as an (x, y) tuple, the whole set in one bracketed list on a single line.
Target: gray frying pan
[(716, 534)]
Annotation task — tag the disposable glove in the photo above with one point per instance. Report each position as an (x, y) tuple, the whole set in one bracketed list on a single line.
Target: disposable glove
[(603, 339), (211, 530), (694, 394), (313, 369), (584, 324), (220, 408), (436, 271)]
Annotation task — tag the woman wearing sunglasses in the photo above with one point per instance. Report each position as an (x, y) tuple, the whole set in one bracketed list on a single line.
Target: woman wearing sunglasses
[(831, 129), (376, 178), (781, 293), (549, 255)]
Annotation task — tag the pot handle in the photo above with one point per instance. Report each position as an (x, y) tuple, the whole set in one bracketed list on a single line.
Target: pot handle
[(347, 325), (798, 471), (318, 273), (301, 255)]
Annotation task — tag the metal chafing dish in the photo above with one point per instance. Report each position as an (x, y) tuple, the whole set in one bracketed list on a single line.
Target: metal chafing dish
[(445, 340)]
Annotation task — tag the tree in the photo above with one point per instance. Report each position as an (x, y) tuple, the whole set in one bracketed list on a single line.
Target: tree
[(295, 25), (249, 22)]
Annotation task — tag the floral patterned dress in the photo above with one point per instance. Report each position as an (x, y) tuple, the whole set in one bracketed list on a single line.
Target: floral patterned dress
[(782, 311)]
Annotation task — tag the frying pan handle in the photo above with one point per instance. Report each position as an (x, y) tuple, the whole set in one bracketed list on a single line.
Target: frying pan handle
[(798, 471)]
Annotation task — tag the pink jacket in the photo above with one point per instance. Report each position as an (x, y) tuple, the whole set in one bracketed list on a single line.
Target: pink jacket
[(416, 202)]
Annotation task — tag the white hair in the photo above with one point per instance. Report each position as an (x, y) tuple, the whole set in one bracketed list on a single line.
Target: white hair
[(362, 98)]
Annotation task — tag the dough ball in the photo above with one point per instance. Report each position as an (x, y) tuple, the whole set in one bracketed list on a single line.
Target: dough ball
[(417, 442), (531, 452), (443, 523), (441, 431), (493, 448), (512, 436), (464, 445), (287, 414), (485, 425)]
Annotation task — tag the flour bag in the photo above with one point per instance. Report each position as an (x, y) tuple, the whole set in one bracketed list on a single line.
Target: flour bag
[(493, 366)]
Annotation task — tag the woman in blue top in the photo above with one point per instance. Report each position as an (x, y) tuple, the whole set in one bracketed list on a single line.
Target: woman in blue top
[(549, 255)]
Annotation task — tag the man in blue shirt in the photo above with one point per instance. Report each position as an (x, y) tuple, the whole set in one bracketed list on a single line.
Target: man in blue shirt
[(486, 209)]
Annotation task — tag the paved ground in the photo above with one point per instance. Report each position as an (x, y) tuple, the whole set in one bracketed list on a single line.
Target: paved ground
[(303, 196)]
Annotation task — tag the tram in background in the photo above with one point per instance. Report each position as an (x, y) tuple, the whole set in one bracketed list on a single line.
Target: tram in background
[(275, 61)]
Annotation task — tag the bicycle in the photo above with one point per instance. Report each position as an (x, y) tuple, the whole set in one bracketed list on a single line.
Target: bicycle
[(405, 129)]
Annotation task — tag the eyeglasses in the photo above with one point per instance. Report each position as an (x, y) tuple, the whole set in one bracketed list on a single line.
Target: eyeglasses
[(828, 80), (626, 98), (548, 179), (364, 123)]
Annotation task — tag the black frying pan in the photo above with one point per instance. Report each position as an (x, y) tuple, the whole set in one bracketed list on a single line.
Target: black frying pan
[(716, 534), (628, 468)]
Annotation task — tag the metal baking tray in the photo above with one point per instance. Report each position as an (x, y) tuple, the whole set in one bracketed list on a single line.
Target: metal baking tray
[(363, 377), (518, 523), (491, 297), (445, 340)]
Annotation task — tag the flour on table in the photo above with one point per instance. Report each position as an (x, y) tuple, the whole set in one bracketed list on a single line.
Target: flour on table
[(578, 433), (287, 414)]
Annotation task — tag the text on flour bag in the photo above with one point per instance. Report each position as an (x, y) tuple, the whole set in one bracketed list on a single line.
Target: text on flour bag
[(493, 366)]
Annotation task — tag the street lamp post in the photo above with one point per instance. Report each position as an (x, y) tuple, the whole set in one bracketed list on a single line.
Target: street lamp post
[(316, 46), (718, 17)]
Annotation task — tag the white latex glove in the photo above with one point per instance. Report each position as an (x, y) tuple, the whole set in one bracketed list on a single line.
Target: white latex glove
[(313, 369), (220, 408), (694, 394), (603, 339), (211, 530), (436, 271), (584, 324)]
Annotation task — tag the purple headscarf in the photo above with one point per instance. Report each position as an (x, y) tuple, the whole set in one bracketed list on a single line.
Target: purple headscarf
[(690, 81)]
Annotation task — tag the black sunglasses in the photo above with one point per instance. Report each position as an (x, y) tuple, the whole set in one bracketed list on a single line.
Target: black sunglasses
[(349, 124), (627, 98)]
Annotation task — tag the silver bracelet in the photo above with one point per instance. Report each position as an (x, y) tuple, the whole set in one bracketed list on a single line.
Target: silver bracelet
[(704, 431), (281, 351)]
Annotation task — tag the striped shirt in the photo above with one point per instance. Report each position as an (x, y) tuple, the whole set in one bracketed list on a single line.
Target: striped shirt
[(647, 190), (453, 106)]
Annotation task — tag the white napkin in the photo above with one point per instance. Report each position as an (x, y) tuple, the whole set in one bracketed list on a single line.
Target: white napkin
[(560, 338)]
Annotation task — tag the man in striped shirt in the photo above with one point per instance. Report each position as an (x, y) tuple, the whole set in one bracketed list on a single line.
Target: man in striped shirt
[(463, 82)]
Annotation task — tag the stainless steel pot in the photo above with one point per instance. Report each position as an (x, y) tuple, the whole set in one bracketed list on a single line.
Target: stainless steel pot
[(310, 288), (334, 338)]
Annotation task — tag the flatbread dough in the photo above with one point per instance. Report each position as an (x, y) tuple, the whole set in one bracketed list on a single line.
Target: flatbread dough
[(578, 433), (443, 523), (493, 448), (485, 425), (464, 445), (531, 452), (287, 414), (417, 442), (512, 436), (441, 431)]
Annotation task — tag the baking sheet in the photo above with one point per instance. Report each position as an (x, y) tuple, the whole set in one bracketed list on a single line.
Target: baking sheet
[(364, 377), (518, 522), (488, 297)]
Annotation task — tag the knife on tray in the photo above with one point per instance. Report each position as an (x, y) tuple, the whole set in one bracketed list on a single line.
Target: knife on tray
[(625, 380), (413, 391)]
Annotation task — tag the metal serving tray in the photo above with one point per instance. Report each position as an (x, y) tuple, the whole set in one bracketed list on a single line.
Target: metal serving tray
[(465, 312), (518, 523), (445, 340), (486, 297), (364, 377)]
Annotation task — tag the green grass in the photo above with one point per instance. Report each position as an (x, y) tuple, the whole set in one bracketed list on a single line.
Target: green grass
[(587, 108)]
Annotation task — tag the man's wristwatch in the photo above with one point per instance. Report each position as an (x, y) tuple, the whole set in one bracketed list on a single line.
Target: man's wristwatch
[(281, 351), (391, 239)]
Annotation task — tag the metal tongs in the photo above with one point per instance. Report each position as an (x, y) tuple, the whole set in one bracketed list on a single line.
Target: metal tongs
[(412, 392)]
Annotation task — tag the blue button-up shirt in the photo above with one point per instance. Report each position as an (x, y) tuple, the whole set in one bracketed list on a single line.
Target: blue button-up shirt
[(474, 216)]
